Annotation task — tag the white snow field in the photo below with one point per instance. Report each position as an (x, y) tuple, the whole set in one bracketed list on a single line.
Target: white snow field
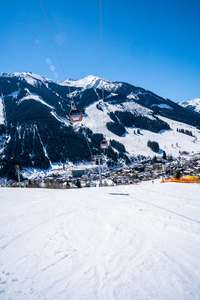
[(125, 242), (170, 141)]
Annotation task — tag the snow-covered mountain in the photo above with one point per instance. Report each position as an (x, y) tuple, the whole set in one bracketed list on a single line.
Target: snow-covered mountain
[(193, 104), (90, 82), (35, 129)]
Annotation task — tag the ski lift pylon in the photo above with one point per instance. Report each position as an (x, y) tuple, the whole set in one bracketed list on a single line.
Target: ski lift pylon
[(75, 115), (104, 145)]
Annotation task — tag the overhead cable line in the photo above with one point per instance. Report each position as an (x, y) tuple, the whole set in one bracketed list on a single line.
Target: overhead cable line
[(103, 144), (101, 28), (57, 52), (53, 40), (75, 114)]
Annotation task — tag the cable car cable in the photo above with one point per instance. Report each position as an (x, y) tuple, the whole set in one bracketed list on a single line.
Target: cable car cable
[(101, 28), (88, 144), (102, 70), (75, 114), (57, 52), (53, 40)]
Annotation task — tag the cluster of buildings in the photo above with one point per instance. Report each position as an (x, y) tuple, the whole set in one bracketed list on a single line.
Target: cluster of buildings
[(147, 169)]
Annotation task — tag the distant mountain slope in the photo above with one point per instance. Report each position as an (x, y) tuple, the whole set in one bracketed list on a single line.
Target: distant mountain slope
[(119, 92), (193, 104), (35, 129)]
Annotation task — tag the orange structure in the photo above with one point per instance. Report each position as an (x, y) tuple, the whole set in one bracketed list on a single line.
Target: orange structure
[(184, 179)]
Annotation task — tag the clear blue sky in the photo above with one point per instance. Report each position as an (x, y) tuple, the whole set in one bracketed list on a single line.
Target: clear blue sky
[(151, 43)]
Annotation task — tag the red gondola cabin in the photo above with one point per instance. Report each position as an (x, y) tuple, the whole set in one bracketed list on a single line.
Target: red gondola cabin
[(104, 145), (75, 115), (93, 161)]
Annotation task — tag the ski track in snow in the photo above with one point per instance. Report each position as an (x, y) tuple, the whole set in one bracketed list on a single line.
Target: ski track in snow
[(123, 242)]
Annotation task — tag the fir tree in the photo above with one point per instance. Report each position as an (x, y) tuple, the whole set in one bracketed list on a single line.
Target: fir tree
[(164, 155)]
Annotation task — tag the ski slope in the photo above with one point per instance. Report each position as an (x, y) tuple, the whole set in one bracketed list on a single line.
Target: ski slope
[(170, 141), (116, 243)]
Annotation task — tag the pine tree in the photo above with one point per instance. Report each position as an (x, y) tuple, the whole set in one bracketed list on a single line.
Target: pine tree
[(164, 155), (178, 174)]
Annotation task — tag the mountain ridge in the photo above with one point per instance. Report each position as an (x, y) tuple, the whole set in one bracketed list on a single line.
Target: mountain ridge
[(193, 104), (34, 115)]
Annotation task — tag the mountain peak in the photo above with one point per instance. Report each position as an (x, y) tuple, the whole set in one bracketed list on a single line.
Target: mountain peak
[(30, 77), (193, 104), (91, 81)]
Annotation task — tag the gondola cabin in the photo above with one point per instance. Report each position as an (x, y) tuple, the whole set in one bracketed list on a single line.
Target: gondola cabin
[(104, 145), (93, 161), (104, 169), (75, 115)]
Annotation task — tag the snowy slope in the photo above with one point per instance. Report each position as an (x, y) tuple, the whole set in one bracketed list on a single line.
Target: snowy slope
[(36, 98), (193, 104), (169, 141), (111, 243)]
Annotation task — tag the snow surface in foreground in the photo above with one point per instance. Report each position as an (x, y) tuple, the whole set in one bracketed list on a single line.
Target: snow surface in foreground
[(124, 242)]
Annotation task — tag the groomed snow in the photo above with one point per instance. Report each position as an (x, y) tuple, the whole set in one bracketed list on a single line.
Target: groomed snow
[(124, 242)]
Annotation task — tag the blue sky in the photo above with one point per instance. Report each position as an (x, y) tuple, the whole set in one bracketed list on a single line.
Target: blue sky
[(153, 44)]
